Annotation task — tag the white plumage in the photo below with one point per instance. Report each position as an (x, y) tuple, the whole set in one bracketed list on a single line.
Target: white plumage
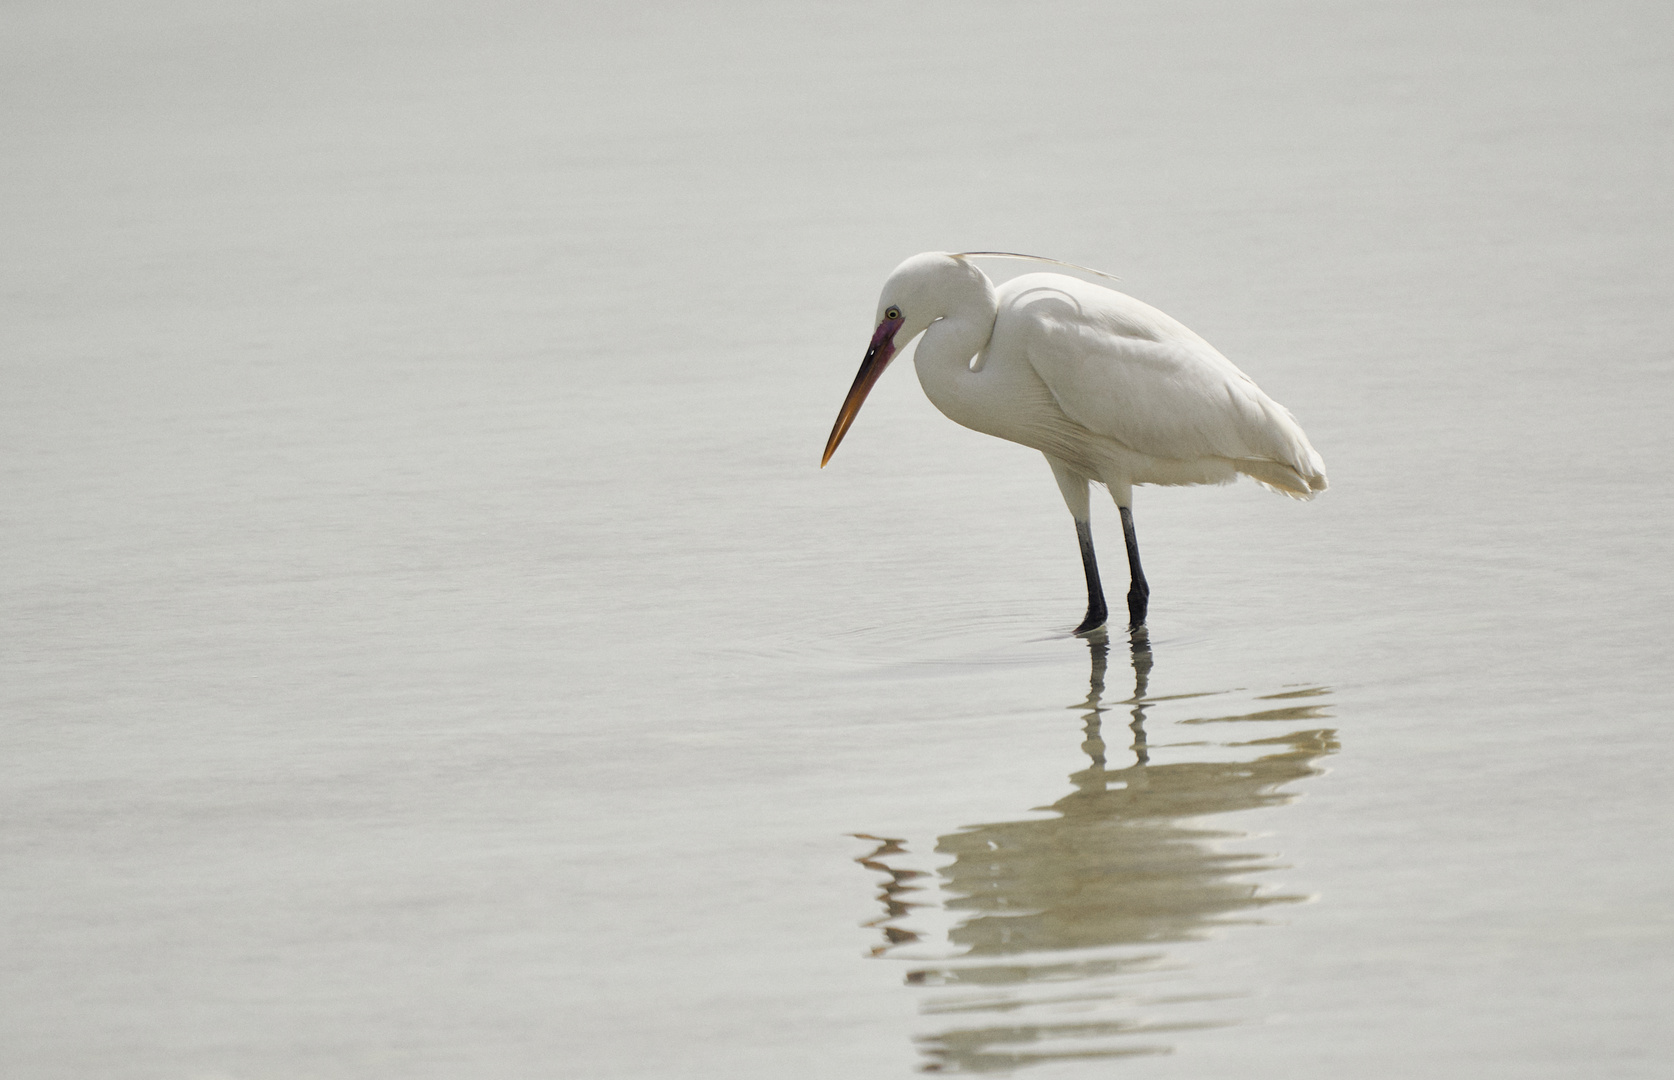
[(1108, 388)]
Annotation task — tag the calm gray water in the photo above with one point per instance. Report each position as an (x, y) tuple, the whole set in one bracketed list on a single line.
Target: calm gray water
[(430, 649)]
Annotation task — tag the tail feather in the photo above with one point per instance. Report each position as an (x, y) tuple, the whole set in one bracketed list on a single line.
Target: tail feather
[(1286, 461), (1276, 476)]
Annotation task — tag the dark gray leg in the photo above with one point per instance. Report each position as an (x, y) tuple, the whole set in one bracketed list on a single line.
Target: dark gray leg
[(1096, 611), (1139, 593)]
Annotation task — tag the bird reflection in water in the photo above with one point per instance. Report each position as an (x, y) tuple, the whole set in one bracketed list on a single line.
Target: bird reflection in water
[(1055, 955)]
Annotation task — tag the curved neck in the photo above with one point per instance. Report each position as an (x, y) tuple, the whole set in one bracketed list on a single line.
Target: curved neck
[(944, 354)]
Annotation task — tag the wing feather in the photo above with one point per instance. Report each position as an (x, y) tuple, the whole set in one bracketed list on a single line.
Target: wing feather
[(1128, 372)]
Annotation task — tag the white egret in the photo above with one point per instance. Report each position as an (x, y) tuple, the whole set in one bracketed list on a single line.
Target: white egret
[(1110, 389)]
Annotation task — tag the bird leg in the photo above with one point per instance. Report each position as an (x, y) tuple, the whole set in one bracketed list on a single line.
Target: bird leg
[(1096, 611), (1139, 593)]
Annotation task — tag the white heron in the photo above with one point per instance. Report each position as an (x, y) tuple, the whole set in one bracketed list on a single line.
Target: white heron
[(1110, 389)]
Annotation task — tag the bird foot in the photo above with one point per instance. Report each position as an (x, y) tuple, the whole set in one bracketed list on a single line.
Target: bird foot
[(1137, 604)]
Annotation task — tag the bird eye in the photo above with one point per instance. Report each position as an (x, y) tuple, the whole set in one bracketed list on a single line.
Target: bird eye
[(893, 313)]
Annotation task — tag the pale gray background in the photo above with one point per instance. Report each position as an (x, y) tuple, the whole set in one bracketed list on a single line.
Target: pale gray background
[(430, 650)]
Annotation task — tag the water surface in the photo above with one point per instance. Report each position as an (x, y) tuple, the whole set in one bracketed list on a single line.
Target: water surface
[(431, 650), (1056, 928)]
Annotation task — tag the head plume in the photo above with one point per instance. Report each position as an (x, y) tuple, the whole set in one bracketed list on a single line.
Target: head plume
[(1032, 258)]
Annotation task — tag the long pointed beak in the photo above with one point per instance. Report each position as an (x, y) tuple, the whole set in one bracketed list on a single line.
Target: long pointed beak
[(878, 356)]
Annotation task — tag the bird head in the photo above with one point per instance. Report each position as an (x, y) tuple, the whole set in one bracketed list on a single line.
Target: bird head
[(923, 289)]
